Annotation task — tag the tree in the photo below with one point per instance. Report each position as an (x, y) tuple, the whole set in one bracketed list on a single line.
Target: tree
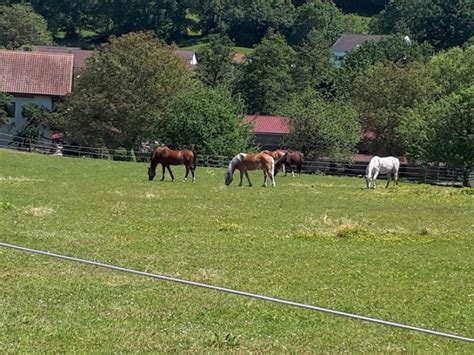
[(319, 15), (266, 78), (452, 70), (313, 68), (124, 89), (5, 100), (383, 94), (20, 25), (321, 128), (441, 23), (442, 131), (247, 21), (215, 65), (207, 120)]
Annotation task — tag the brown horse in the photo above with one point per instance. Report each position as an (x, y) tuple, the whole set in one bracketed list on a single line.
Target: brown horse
[(291, 158), (245, 162), (167, 157), (277, 155)]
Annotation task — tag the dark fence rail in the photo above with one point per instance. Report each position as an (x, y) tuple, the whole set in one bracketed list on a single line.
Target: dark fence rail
[(432, 174)]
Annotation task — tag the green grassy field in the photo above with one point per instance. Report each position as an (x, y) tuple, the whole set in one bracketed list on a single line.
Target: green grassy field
[(402, 254)]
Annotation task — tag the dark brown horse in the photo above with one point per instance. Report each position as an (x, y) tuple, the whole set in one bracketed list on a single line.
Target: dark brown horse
[(288, 160), (167, 157)]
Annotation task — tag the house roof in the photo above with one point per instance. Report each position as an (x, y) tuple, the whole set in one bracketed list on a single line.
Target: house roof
[(350, 41), (268, 124), (80, 55), (188, 56), (238, 58), (35, 73)]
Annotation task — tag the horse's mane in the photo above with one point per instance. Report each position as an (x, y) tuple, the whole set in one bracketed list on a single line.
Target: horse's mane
[(235, 160)]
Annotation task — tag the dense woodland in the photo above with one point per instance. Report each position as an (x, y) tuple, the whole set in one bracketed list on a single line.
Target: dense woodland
[(416, 97)]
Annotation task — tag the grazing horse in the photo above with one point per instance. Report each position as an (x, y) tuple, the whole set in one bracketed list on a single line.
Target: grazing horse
[(289, 159), (245, 162), (277, 155), (167, 157), (378, 166)]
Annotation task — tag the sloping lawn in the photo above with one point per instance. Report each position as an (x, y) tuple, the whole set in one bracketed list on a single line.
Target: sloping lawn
[(403, 254)]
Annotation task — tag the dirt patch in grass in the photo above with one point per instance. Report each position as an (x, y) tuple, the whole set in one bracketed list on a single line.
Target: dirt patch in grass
[(38, 211)]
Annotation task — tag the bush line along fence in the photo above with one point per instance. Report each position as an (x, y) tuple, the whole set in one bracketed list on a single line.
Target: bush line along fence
[(432, 174)]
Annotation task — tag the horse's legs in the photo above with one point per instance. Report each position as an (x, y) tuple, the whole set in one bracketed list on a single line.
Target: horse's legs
[(272, 178), (171, 173), (163, 172), (248, 178), (264, 178), (396, 177), (241, 177), (192, 173), (375, 178), (187, 173), (389, 176)]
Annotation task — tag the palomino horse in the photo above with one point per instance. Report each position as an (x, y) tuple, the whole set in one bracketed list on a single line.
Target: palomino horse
[(289, 159), (378, 166), (167, 157), (276, 155), (245, 162)]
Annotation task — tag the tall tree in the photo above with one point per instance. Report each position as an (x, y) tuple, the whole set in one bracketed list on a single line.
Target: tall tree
[(321, 128), (207, 120), (363, 7), (20, 25), (442, 23), (122, 93), (215, 65), (266, 78), (319, 15), (442, 131), (383, 94)]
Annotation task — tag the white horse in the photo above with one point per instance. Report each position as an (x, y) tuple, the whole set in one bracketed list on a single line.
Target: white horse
[(245, 162), (377, 165)]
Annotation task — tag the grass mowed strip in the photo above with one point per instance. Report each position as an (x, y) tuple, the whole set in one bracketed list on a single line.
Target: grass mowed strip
[(402, 254)]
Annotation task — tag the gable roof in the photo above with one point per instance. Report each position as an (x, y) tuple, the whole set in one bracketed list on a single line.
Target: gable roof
[(350, 41), (268, 124), (80, 55), (188, 56), (35, 73)]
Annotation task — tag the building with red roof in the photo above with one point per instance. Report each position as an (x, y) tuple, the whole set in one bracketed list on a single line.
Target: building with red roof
[(32, 77), (269, 131)]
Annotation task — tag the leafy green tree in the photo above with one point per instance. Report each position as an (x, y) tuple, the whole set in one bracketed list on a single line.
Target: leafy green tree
[(442, 131), (313, 68), (125, 88), (319, 15), (383, 94), (20, 25), (266, 78), (207, 120), (215, 65), (452, 70), (247, 21), (5, 100), (442, 23), (321, 128)]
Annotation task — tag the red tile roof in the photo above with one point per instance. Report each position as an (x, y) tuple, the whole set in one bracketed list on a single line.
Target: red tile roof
[(80, 55), (268, 124), (238, 58), (35, 73)]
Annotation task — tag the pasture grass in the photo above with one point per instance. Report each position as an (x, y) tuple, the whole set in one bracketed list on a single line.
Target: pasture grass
[(402, 254)]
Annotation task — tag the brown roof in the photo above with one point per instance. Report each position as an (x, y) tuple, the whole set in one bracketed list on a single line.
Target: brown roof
[(35, 73), (188, 57), (238, 58), (350, 41), (80, 55)]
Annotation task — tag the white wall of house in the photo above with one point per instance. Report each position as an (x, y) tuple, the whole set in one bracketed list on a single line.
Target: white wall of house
[(17, 122), (336, 57)]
